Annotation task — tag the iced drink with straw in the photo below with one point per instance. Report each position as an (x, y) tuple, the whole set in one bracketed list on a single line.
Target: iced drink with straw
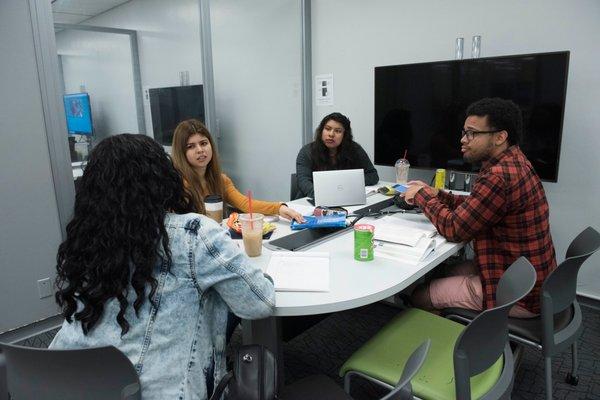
[(252, 224)]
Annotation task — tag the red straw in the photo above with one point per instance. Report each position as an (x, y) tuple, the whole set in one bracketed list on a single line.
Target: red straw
[(249, 194), (405, 151)]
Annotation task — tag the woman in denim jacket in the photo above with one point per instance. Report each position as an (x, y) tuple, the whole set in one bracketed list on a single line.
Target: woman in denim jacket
[(139, 273)]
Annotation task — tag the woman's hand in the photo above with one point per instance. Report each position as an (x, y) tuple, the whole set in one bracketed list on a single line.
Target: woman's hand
[(290, 214)]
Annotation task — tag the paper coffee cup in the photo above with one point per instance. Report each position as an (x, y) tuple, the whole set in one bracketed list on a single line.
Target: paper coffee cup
[(213, 204)]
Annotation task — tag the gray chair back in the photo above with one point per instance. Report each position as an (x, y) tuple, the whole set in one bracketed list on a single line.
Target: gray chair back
[(294, 187), (3, 388), (561, 285), (483, 341), (403, 389), (559, 293), (94, 373)]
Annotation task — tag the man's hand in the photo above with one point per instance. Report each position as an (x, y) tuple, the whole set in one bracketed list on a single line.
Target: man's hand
[(413, 188)]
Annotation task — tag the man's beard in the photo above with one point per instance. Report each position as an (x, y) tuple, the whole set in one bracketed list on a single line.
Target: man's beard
[(481, 157)]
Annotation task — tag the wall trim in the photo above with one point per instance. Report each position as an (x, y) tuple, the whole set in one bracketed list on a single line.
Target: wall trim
[(31, 330), (208, 78), (306, 33), (589, 302)]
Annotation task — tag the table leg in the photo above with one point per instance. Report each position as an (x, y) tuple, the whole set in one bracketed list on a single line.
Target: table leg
[(267, 332)]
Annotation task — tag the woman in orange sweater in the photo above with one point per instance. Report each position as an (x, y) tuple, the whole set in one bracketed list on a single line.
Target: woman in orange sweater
[(195, 156)]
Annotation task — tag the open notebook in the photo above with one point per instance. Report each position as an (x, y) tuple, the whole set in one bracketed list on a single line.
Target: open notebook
[(299, 271), (404, 239)]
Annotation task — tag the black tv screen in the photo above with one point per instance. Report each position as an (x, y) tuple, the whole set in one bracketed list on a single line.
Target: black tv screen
[(421, 108), (171, 105)]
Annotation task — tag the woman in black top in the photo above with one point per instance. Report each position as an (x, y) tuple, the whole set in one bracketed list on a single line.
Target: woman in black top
[(332, 149)]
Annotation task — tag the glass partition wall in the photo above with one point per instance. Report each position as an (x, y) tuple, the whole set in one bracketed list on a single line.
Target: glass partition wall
[(122, 54), (257, 55)]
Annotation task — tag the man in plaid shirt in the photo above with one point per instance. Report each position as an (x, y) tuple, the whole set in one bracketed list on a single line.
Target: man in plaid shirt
[(506, 214)]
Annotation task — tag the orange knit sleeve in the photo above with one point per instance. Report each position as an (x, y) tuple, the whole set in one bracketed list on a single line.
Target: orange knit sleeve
[(237, 200)]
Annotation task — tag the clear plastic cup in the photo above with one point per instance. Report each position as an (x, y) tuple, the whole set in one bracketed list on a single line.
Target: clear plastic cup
[(252, 233), (402, 166)]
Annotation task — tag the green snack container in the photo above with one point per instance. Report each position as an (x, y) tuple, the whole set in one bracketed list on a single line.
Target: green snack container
[(363, 242)]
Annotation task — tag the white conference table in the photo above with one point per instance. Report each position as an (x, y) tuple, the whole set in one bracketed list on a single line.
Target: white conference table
[(352, 283)]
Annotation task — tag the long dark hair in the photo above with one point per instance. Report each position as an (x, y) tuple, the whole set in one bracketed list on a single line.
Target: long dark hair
[(115, 237), (344, 157), (212, 176)]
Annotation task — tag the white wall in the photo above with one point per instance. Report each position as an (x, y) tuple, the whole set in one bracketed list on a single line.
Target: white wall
[(29, 222), (168, 41), (101, 62), (351, 37), (257, 69)]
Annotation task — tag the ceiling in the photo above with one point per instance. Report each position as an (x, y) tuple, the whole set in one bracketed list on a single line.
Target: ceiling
[(77, 11)]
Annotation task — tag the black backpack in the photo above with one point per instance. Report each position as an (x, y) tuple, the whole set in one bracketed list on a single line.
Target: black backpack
[(254, 376)]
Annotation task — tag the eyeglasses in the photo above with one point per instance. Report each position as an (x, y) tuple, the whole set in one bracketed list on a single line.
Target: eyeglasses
[(471, 134)]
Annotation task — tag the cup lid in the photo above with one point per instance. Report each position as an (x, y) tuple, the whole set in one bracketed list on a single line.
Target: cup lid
[(246, 217), (213, 198)]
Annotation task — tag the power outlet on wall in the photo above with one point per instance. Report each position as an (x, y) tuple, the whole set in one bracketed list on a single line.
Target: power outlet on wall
[(44, 287)]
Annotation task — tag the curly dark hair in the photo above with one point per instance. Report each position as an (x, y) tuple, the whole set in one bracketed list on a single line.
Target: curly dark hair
[(117, 233), (501, 114), (344, 158)]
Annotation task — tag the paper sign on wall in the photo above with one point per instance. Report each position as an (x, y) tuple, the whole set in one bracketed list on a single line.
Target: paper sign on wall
[(324, 90)]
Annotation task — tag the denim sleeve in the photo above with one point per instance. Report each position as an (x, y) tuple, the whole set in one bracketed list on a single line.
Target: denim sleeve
[(220, 264)]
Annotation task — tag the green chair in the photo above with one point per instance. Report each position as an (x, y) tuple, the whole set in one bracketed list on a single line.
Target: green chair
[(321, 387), (463, 362)]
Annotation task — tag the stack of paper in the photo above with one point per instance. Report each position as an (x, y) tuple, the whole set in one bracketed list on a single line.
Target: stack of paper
[(403, 252), (299, 271), (416, 221), (403, 239), (398, 234)]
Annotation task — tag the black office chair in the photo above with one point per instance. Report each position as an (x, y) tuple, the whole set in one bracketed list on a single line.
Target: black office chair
[(321, 387), (93, 374), (464, 362), (559, 324), (294, 190)]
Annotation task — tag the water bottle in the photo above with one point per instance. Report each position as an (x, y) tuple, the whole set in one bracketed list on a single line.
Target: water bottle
[(402, 166)]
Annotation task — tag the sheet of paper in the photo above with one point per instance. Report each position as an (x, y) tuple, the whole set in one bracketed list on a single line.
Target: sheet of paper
[(324, 90), (299, 271), (369, 190)]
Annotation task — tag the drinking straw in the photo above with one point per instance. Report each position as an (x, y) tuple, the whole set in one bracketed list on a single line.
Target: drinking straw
[(405, 151), (249, 194)]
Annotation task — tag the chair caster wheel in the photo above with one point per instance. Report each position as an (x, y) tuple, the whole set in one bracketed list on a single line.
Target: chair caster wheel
[(572, 380)]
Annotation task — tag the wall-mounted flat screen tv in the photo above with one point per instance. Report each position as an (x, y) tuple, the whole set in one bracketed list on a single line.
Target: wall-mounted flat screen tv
[(171, 105), (78, 113), (421, 108)]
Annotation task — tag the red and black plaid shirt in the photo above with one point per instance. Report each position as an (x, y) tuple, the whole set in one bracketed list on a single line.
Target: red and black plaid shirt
[(506, 216)]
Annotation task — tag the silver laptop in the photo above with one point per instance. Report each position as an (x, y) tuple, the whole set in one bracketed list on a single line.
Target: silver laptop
[(345, 187)]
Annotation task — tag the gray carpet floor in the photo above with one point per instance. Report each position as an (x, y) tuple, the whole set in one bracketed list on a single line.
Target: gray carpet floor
[(323, 349)]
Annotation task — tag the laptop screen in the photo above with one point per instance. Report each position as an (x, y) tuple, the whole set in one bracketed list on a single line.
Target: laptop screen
[(345, 187)]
